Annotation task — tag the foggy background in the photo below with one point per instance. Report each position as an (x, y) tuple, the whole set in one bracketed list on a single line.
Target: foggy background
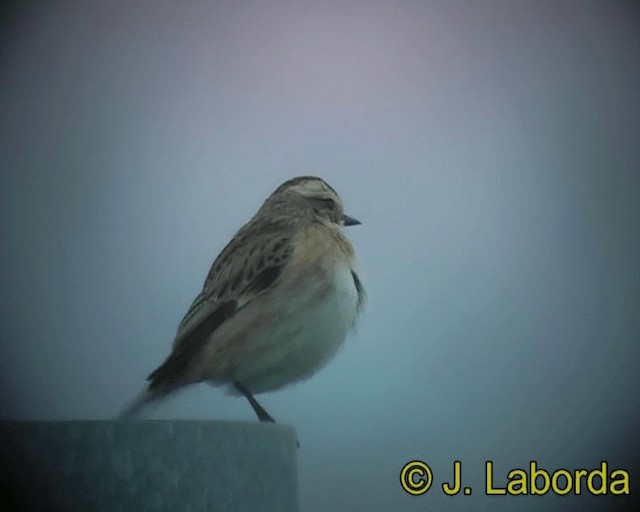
[(490, 149)]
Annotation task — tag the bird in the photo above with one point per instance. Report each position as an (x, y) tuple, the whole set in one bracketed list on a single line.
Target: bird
[(276, 304)]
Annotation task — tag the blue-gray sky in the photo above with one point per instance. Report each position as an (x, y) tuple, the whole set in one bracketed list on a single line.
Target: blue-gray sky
[(491, 150)]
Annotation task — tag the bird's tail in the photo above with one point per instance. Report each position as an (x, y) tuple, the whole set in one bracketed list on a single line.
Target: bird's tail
[(145, 398)]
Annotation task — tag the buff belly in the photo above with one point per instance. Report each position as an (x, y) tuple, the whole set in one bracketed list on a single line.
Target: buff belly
[(281, 342)]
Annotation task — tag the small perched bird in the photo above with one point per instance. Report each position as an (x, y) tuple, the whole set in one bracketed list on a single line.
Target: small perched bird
[(276, 304)]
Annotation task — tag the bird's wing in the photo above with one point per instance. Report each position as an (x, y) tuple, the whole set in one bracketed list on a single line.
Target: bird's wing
[(239, 274)]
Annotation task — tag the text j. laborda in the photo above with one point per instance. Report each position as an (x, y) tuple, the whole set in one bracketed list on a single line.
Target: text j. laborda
[(416, 478)]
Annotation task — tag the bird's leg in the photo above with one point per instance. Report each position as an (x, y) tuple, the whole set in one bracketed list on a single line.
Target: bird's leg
[(263, 415)]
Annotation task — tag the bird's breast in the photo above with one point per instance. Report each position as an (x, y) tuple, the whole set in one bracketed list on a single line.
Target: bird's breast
[(306, 326)]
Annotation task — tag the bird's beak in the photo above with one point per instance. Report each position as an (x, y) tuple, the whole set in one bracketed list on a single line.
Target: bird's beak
[(350, 221)]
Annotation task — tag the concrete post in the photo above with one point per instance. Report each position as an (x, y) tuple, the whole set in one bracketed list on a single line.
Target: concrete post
[(148, 466)]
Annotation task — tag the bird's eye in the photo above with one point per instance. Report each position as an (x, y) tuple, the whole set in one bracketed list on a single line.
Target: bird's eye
[(327, 203)]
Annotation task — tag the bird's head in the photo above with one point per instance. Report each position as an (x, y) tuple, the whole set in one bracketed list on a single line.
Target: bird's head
[(310, 196)]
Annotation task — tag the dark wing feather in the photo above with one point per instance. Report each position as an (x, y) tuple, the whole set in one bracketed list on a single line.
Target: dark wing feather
[(359, 288), (175, 366), (230, 285), (237, 272)]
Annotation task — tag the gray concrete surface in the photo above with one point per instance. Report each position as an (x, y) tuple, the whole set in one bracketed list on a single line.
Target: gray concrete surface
[(148, 466)]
